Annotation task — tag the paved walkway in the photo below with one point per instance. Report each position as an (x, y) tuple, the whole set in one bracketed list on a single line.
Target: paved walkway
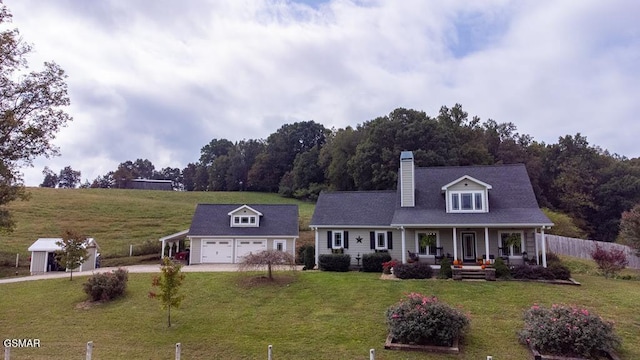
[(131, 268)]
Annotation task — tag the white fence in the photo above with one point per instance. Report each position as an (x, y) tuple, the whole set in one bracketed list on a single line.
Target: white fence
[(582, 248)]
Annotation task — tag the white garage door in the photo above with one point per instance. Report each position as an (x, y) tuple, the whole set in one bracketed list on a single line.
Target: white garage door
[(244, 247), (217, 251)]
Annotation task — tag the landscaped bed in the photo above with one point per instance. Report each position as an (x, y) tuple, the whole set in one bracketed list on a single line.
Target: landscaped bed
[(321, 315)]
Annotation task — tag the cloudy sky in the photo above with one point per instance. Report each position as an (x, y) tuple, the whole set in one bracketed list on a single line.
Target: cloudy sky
[(158, 79)]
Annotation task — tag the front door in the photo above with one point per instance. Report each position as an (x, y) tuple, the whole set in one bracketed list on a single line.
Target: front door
[(469, 246)]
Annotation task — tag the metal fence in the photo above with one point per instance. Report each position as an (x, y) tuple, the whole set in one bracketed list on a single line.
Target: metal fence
[(582, 248)]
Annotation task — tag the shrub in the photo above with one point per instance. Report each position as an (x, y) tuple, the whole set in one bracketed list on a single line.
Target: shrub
[(445, 269), (423, 320), (567, 331), (372, 262), (386, 266), (531, 272), (415, 270), (148, 247), (309, 257), (300, 253), (502, 270), (559, 271), (334, 262), (107, 286), (610, 262)]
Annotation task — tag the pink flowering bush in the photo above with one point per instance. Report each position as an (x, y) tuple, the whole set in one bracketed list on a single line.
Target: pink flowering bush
[(423, 320), (567, 331)]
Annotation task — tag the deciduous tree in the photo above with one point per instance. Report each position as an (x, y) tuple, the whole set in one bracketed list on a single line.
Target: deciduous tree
[(73, 251), (31, 113), (267, 259), (69, 178), (168, 284), (50, 178), (630, 228)]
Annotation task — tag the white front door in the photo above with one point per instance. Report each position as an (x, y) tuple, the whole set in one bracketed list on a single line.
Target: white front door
[(468, 246), (245, 247), (217, 251)]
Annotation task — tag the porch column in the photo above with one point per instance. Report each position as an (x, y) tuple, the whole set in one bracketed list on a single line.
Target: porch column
[(544, 248), (455, 244), (535, 238), (317, 250), (162, 250), (170, 247), (404, 247), (486, 242)]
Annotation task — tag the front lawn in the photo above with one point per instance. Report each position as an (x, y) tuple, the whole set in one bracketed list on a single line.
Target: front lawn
[(321, 315)]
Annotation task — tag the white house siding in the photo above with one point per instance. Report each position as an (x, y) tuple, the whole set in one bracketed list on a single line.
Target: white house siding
[(471, 186), (196, 246), (38, 262), (363, 247)]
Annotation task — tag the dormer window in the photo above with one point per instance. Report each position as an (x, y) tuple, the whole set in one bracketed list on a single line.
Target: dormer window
[(467, 201), (467, 195), (243, 220), (245, 216)]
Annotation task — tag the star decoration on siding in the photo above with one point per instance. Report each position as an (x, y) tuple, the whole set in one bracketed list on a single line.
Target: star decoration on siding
[(359, 239)]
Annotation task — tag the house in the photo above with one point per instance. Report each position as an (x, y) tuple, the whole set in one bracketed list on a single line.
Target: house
[(224, 233), (43, 255), (462, 212)]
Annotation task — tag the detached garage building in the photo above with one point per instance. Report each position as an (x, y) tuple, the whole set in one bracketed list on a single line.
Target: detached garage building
[(224, 233), (43, 256)]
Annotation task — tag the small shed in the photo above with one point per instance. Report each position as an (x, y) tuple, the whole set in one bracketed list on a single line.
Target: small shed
[(43, 256)]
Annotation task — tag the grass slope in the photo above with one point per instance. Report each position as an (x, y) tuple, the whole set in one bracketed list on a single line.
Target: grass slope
[(320, 315), (117, 218)]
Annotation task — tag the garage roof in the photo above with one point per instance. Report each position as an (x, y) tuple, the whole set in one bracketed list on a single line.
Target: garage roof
[(214, 220)]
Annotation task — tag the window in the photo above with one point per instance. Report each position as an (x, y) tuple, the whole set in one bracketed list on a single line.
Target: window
[(427, 243), (245, 220), (467, 201), (280, 245), (511, 243), (337, 240), (381, 240)]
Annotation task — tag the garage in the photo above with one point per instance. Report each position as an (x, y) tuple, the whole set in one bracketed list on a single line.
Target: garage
[(245, 247), (218, 251)]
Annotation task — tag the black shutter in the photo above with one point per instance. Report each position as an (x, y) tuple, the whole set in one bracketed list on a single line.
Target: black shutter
[(346, 239), (390, 240), (329, 242), (372, 235)]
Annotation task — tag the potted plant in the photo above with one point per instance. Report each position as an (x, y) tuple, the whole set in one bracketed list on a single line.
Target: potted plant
[(427, 241)]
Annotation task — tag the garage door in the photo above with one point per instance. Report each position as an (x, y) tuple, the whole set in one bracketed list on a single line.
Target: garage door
[(217, 251), (244, 247)]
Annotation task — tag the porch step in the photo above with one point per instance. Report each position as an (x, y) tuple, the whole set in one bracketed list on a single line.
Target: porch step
[(473, 274)]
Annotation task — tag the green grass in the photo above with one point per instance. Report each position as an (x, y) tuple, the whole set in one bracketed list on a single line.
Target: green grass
[(117, 218), (320, 315)]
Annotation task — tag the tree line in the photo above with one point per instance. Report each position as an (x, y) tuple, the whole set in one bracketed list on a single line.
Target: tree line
[(299, 160)]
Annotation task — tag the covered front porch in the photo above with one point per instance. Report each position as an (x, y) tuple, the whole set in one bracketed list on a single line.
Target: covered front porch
[(472, 245)]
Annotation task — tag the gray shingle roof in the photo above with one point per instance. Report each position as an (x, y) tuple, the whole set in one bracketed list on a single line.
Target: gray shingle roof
[(511, 201), (346, 208), (214, 220)]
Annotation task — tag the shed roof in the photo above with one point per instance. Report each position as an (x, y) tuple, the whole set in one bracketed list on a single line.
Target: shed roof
[(49, 244)]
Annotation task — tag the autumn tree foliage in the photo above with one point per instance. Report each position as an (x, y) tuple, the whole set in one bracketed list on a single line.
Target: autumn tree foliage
[(31, 113), (630, 228), (168, 284), (267, 259)]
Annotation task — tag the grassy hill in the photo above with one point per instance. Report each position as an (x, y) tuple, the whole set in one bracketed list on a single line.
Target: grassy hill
[(320, 315), (117, 218)]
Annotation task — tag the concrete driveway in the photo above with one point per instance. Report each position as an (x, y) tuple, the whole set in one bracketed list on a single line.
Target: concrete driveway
[(131, 269)]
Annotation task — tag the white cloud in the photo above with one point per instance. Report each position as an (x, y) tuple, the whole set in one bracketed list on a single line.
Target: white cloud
[(160, 79)]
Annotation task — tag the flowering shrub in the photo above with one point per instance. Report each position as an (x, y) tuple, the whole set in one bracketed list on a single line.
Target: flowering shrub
[(567, 331), (106, 286), (424, 320), (386, 266)]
